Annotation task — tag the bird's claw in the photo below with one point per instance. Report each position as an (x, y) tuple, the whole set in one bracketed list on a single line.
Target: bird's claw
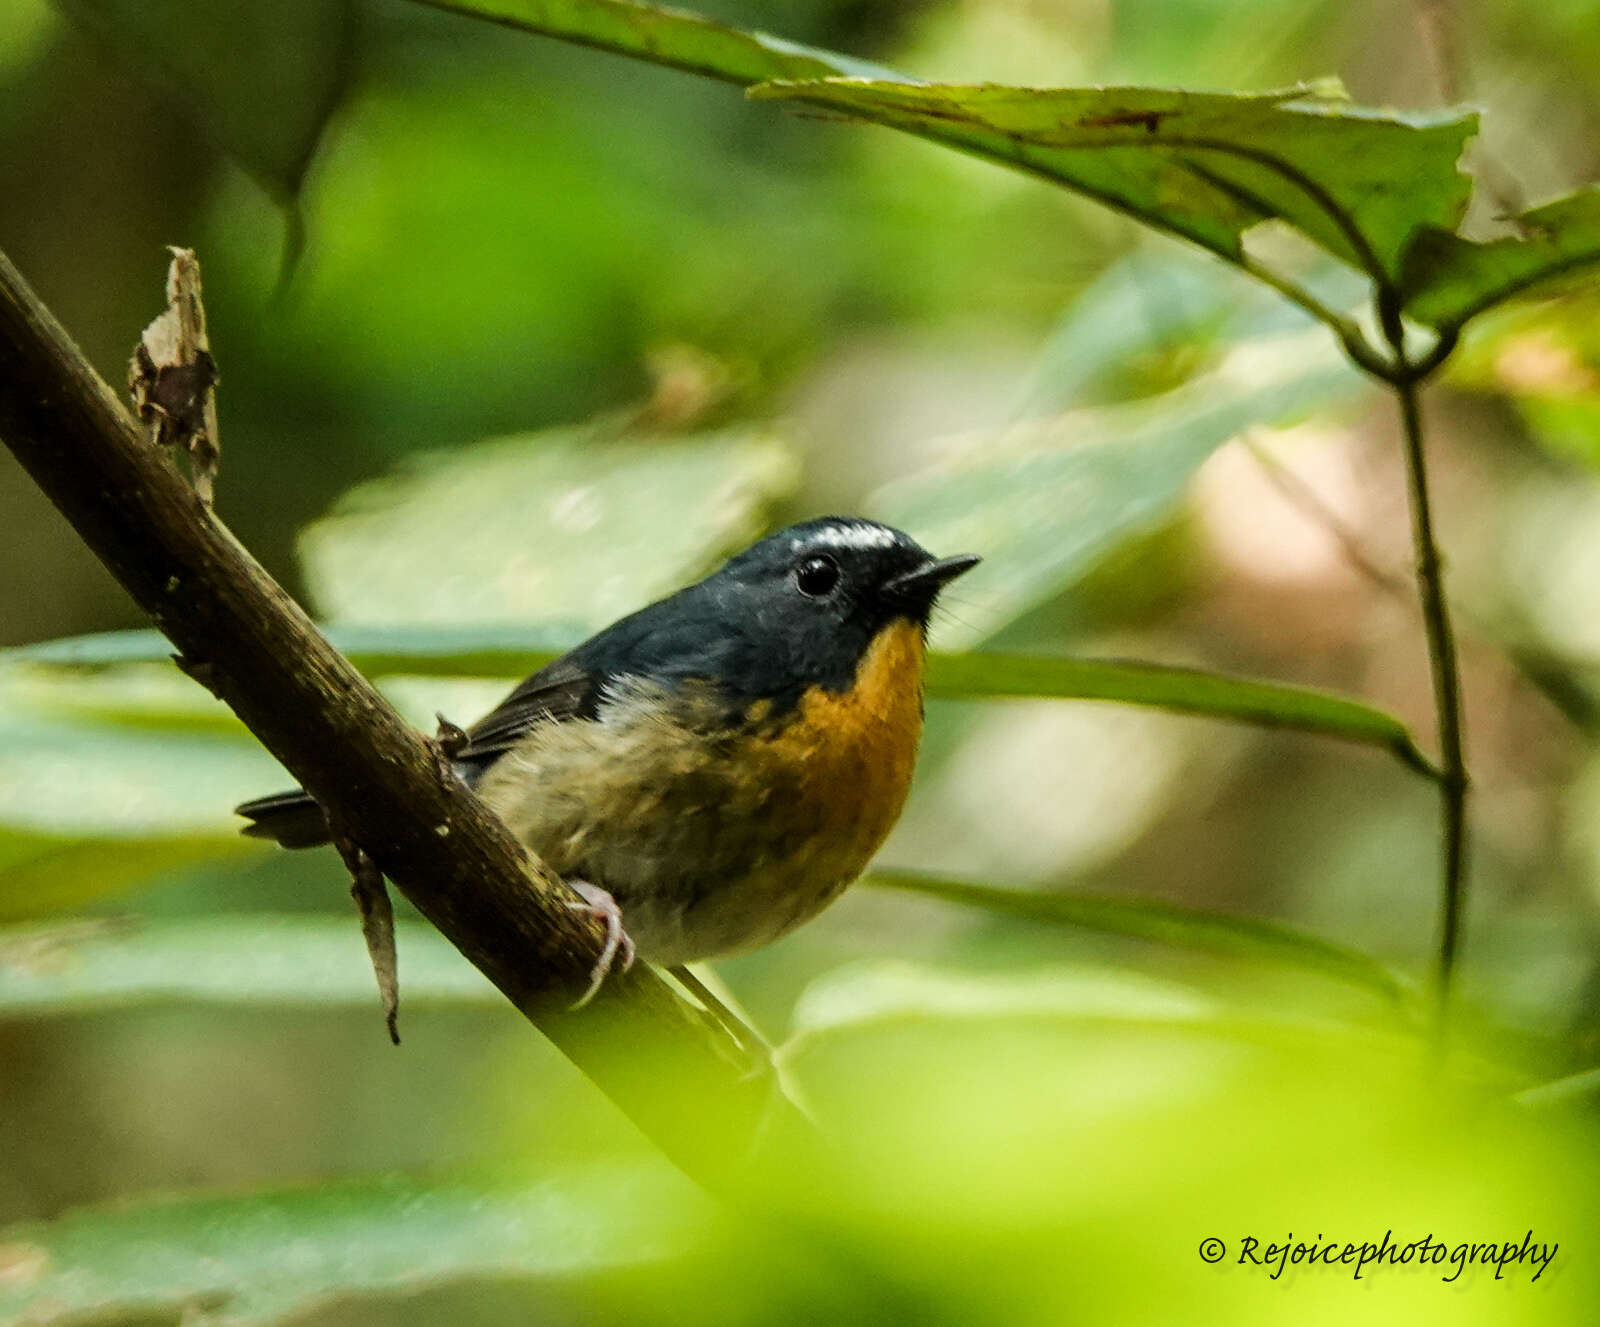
[(598, 903)]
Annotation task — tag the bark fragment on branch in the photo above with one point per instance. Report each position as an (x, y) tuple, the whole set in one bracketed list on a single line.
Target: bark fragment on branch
[(173, 378)]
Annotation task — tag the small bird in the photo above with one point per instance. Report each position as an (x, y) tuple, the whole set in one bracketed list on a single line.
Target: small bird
[(711, 771)]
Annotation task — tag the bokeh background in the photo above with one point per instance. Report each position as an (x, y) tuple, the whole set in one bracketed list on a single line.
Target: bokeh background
[(572, 329)]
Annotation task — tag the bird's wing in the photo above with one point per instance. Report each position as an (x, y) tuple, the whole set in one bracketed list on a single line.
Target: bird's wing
[(671, 641), (560, 690), (563, 689)]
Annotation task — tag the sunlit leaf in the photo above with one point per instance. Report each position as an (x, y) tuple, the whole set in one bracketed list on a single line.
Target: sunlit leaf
[(238, 959), (1164, 923), (227, 61), (259, 1258), (1577, 1091), (891, 989), (1207, 166), (1187, 690), (571, 528), (867, 997), (1447, 280), (1046, 501)]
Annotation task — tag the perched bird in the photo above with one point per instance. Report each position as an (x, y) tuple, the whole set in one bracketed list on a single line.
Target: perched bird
[(713, 770)]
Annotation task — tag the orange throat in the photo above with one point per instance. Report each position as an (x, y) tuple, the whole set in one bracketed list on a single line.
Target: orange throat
[(858, 748)]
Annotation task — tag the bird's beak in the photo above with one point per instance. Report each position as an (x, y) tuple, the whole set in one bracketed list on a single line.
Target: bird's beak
[(928, 579)]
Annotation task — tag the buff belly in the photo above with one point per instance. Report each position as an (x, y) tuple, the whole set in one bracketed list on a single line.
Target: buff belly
[(715, 839)]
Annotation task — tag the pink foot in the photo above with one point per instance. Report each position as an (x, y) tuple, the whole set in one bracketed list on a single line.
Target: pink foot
[(599, 904)]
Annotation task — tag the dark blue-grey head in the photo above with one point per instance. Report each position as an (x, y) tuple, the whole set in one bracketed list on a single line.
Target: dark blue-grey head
[(810, 599), (842, 567), (797, 610)]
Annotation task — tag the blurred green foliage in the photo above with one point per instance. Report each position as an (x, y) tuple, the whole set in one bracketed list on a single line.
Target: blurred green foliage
[(680, 318)]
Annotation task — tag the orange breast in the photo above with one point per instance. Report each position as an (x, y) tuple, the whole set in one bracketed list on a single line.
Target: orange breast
[(848, 757)]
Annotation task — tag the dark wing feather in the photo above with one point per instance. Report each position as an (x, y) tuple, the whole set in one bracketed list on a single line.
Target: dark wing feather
[(559, 691), (684, 637), (563, 689)]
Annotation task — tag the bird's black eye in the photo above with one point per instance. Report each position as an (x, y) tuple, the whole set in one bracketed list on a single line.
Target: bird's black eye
[(816, 576)]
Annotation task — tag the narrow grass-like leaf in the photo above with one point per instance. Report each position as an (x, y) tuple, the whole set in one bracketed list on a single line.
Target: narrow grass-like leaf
[(870, 997), (443, 649), (1206, 166), (150, 695), (1446, 279), (42, 874), (1580, 1091), (263, 1258), (1187, 690), (240, 959), (90, 808), (1164, 923), (502, 651)]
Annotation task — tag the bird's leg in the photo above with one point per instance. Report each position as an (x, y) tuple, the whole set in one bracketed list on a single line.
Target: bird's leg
[(598, 903)]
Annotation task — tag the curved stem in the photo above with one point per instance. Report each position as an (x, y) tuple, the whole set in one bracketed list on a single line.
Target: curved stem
[(1446, 692), (1350, 337)]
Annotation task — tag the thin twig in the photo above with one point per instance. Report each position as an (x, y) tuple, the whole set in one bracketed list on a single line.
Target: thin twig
[(1298, 494), (1446, 691)]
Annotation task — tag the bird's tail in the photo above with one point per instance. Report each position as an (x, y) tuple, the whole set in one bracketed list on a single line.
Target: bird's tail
[(292, 819)]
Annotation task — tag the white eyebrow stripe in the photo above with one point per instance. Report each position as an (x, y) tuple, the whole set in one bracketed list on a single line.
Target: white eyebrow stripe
[(862, 536)]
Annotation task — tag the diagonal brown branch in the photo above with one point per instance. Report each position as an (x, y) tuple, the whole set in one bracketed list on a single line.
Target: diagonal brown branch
[(685, 1085)]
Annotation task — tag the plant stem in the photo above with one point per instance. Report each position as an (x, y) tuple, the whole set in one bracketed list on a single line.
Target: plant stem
[(1446, 691)]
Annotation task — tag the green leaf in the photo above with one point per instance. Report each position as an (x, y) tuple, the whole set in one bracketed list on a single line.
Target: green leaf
[(1577, 1091), (867, 997), (1206, 166), (87, 809), (1187, 690), (671, 37), (42, 873), (444, 649), (571, 528), (1165, 923), (261, 1258), (1156, 300), (505, 651), (882, 990), (1446, 279), (142, 695), (76, 779), (228, 60), (1048, 500), (238, 959)]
